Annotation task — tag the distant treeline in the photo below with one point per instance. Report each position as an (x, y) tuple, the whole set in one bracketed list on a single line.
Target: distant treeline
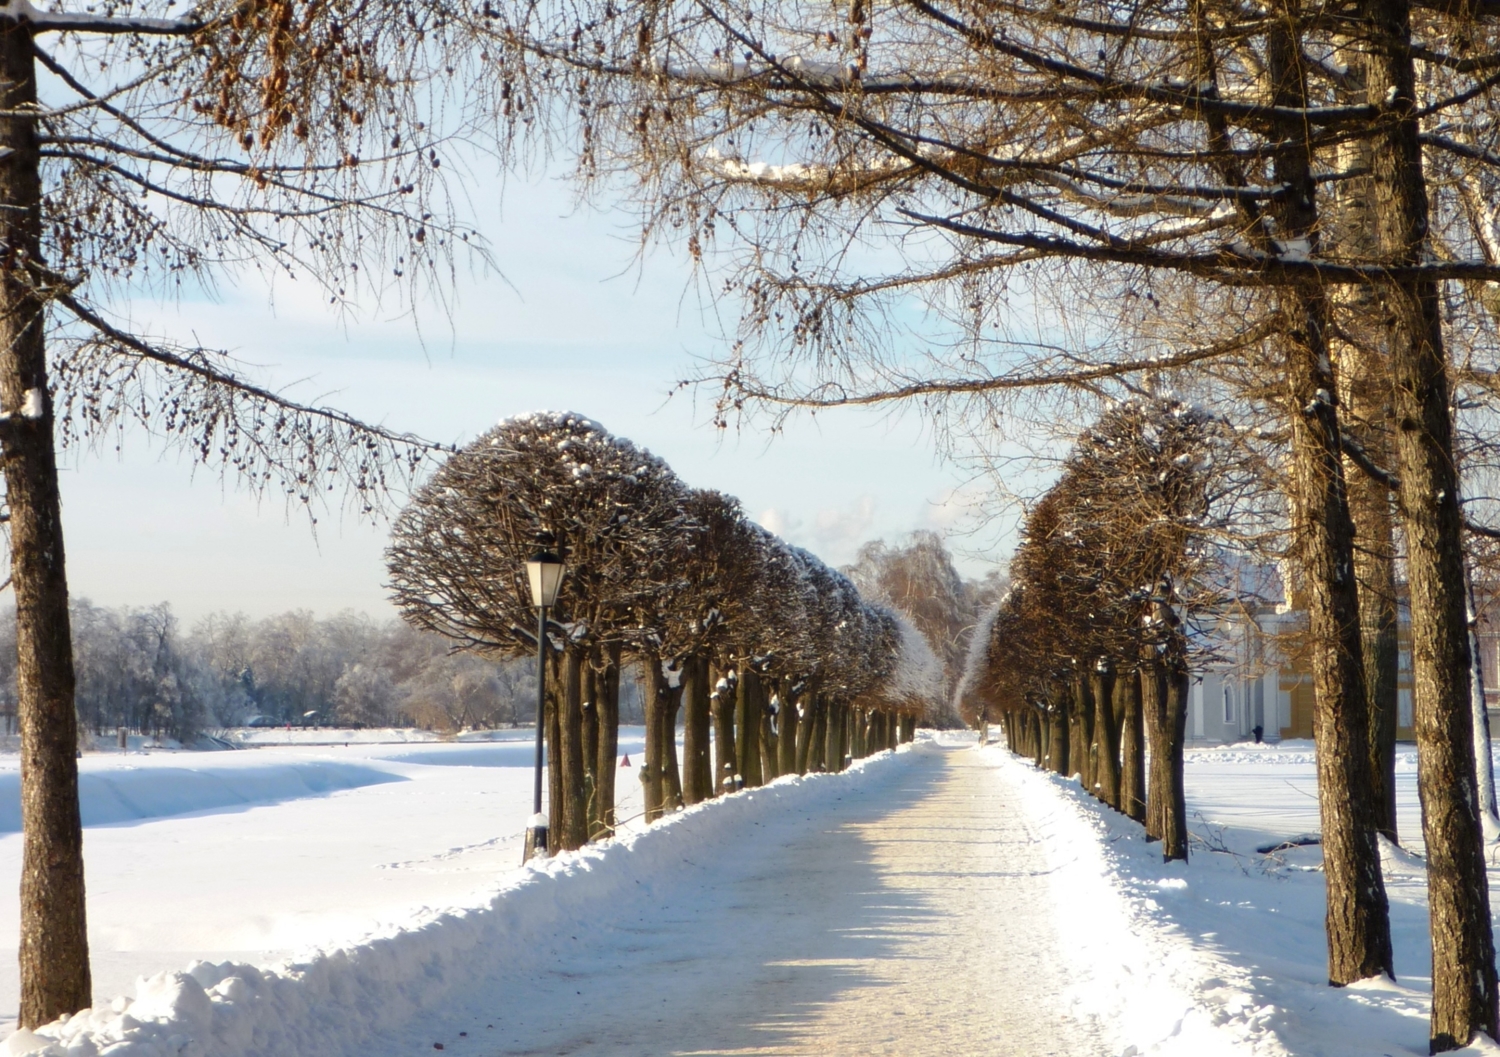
[(138, 668)]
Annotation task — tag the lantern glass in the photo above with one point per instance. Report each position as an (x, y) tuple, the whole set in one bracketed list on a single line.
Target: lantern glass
[(545, 570)]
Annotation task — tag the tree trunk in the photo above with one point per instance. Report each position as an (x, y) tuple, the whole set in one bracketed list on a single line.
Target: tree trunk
[(609, 736), (1366, 387), (1375, 571), (1366, 413), (768, 747), (908, 729), (54, 954), (806, 729), (671, 775), (817, 747), (787, 732), (833, 740), (1358, 924), (1106, 738), (1083, 713), (1158, 778), (591, 746), (725, 767), (1463, 947), (573, 832), (747, 726), (1132, 746), (1359, 943), (1174, 836), (650, 771), (697, 765), (1059, 740)]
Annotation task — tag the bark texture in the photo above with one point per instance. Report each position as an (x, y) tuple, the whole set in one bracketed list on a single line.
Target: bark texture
[(609, 736), (1358, 927), (1463, 949), (1106, 737), (1357, 918), (725, 757), (1164, 694), (573, 831), (671, 774), (697, 762), (833, 740), (1059, 741), (650, 772), (806, 725), (747, 726), (591, 746), (54, 955), (769, 766), (1132, 746), (787, 732)]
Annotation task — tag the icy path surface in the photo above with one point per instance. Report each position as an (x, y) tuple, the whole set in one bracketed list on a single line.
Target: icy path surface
[(886, 923), (918, 904)]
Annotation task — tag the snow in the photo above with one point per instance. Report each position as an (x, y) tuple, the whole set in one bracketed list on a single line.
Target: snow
[(257, 855), (919, 674), (814, 889), (1240, 934), (301, 899)]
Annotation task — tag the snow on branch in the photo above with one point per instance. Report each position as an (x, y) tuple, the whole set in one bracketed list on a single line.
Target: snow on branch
[(61, 21)]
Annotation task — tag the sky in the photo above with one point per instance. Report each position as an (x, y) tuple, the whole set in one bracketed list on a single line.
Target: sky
[(574, 321)]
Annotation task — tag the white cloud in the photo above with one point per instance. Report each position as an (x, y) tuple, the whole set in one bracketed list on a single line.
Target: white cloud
[(840, 530), (781, 522)]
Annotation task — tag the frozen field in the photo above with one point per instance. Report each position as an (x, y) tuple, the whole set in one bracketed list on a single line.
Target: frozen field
[(940, 900), (257, 855)]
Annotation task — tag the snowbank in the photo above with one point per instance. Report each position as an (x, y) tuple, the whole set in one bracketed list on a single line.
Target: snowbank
[(1135, 972), (1225, 954), (340, 1001)]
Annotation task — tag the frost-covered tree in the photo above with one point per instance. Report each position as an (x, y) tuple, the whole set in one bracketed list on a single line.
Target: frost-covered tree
[(614, 514), (1088, 652), (917, 577)]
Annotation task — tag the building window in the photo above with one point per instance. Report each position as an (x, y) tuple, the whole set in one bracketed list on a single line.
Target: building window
[(1228, 704), (1403, 708)]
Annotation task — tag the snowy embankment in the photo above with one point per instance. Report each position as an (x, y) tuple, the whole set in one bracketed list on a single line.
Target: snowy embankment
[(257, 855), (342, 1000), (1235, 935), (494, 959), (383, 918)]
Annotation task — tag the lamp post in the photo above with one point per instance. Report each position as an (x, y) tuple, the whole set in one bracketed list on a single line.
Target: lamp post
[(545, 571)]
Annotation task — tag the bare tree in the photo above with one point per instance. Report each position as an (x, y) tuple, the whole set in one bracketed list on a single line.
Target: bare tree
[(145, 147)]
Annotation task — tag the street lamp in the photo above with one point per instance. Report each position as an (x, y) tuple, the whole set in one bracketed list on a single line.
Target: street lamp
[(545, 571)]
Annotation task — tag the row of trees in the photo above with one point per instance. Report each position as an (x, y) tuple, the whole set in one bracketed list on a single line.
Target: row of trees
[(137, 669), (744, 635), (1085, 660), (1288, 210)]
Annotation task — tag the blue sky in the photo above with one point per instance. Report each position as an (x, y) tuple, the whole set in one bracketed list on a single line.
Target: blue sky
[(574, 323)]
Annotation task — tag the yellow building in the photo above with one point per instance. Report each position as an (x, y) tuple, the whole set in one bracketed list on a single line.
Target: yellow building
[(1259, 677)]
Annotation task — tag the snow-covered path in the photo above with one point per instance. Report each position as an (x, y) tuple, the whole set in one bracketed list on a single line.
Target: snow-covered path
[(908, 916)]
